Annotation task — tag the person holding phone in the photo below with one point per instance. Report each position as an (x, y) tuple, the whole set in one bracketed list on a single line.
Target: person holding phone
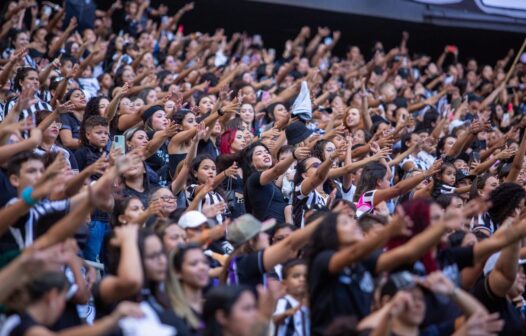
[(94, 139)]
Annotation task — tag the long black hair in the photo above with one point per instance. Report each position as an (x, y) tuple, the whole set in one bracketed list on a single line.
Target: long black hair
[(21, 74), (371, 173), (504, 200), (325, 237), (220, 298), (248, 169)]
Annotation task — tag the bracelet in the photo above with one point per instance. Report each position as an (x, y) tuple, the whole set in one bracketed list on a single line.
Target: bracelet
[(26, 196), (294, 156), (221, 112), (224, 172)]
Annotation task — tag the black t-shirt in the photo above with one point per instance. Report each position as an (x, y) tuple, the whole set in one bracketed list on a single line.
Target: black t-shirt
[(249, 269), (455, 259), (8, 191), (22, 323), (451, 261), (70, 122), (349, 292), (207, 147), (143, 196), (233, 191), (266, 201), (29, 227), (513, 324)]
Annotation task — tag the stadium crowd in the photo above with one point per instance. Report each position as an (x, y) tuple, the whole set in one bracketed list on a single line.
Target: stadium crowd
[(156, 181)]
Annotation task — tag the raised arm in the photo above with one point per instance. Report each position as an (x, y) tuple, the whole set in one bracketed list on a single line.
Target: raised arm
[(311, 182), (516, 165), (405, 185), (365, 247), (352, 166), (505, 235), (53, 48), (503, 275), (413, 249), (272, 174), (438, 283), (128, 280), (279, 252)]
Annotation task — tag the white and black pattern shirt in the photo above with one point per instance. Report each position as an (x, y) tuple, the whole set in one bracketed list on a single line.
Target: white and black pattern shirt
[(36, 222), (210, 198), (302, 203), (296, 325), (28, 60), (30, 111), (418, 163)]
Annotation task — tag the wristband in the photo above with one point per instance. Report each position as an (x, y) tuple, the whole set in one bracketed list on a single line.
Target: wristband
[(26, 196), (294, 156), (221, 112)]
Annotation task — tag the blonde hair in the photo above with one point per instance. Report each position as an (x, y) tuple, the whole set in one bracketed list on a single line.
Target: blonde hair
[(174, 287)]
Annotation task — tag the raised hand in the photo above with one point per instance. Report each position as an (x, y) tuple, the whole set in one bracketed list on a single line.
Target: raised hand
[(172, 129), (72, 25), (99, 167), (124, 90), (232, 170), (202, 131), (212, 210), (435, 168), (125, 233), (324, 31), (475, 206), (156, 208), (438, 283), (65, 108), (382, 154), (302, 153)]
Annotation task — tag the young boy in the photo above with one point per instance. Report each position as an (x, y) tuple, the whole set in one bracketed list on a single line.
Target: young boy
[(23, 171), (292, 316), (95, 139)]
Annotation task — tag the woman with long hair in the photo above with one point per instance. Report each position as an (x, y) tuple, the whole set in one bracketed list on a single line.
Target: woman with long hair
[(233, 310), (262, 197), (187, 277), (71, 121), (374, 186)]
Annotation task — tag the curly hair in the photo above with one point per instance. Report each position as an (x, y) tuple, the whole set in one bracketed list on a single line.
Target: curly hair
[(504, 200)]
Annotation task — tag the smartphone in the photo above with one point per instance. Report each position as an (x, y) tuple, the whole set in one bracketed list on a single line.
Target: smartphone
[(475, 156), (47, 10), (119, 142)]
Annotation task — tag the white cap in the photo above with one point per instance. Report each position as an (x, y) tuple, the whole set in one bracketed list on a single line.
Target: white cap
[(192, 219)]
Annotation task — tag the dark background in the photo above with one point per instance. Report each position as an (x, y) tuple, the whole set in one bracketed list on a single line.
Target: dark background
[(277, 23)]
